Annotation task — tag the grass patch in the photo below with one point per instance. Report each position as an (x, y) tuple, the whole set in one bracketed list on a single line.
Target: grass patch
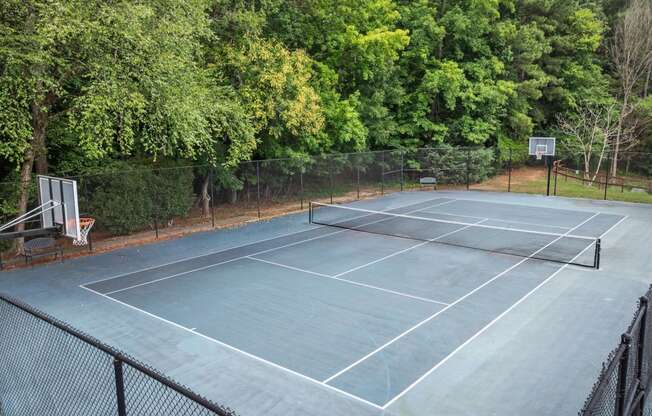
[(575, 189)]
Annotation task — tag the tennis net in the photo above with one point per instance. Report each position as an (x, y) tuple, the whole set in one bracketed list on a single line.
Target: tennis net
[(559, 248)]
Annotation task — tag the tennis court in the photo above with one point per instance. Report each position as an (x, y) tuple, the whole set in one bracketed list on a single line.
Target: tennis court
[(359, 312), (365, 307)]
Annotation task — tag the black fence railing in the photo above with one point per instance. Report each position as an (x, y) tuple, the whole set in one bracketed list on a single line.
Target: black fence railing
[(49, 368), (623, 386), (625, 177), (152, 203), (177, 199)]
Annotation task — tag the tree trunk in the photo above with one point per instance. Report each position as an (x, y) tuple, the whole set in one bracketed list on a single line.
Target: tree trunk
[(39, 125), (619, 132), (205, 196), (36, 149), (23, 196)]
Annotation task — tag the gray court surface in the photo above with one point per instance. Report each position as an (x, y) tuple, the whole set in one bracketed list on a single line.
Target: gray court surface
[(285, 317)]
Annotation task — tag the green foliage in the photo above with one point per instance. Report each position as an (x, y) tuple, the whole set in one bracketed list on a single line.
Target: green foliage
[(223, 81), (131, 200)]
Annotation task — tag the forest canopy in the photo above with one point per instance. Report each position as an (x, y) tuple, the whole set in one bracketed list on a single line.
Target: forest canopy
[(88, 84)]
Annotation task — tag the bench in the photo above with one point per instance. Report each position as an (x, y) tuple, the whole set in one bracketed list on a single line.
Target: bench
[(40, 247), (428, 181)]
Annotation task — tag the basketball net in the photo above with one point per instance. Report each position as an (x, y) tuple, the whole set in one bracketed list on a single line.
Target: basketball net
[(85, 225)]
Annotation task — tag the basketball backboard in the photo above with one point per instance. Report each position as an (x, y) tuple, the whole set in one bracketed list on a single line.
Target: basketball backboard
[(65, 215), (542, 146)]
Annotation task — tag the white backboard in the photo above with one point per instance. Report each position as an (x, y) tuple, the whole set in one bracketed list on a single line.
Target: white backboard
[(63, 191), (539, 143)]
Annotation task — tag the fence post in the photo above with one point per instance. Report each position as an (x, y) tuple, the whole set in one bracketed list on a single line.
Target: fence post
[(606, 178), (119, 387), (402, 162), (556, 166), (468, 168), (621, 384), (330, 175), (258, 187), (211, 178), (358, 179), (645, 303), (301, 186), (382, 174), (509, 172)]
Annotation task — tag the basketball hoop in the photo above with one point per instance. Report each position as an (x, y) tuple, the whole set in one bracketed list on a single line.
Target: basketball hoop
[(540, 155), (85, 225)]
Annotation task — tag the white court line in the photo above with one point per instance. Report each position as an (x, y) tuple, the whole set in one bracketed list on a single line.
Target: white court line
[(518, 302), (405, 250), (495, 219), (209, 253), (185, 272), (430, 318), (520, 204), (489, 227), (232, 348), (393, 292)]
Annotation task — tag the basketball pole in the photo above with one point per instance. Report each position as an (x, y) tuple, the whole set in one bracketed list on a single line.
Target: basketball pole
[(549, 165)]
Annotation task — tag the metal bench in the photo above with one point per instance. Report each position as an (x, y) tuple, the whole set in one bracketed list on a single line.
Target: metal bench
[(40, 247), (428, 181)]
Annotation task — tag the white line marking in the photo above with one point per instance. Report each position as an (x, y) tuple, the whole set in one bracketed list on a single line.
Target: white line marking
[(520, 204), (495, 219), (185, 272), (405, 250), (430, 318), (456, 350), (352, 282), (245, 244), (231, 248), (255, 357), (490, 227)]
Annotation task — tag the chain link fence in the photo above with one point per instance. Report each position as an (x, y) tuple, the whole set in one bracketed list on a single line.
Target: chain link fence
[(132, 206), (623, 384), (49, 368), (625, 177)]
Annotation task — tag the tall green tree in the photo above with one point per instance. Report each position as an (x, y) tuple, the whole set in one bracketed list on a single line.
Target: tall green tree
[(119, 78)]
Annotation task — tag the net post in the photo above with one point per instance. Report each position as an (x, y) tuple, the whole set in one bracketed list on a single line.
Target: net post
[(509, 172), (598, 249), (119, 387), (621, 383), (310, 212)]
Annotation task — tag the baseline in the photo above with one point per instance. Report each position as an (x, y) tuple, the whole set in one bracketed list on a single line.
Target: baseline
[(490, 324), (433, 316), (181, 267)]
